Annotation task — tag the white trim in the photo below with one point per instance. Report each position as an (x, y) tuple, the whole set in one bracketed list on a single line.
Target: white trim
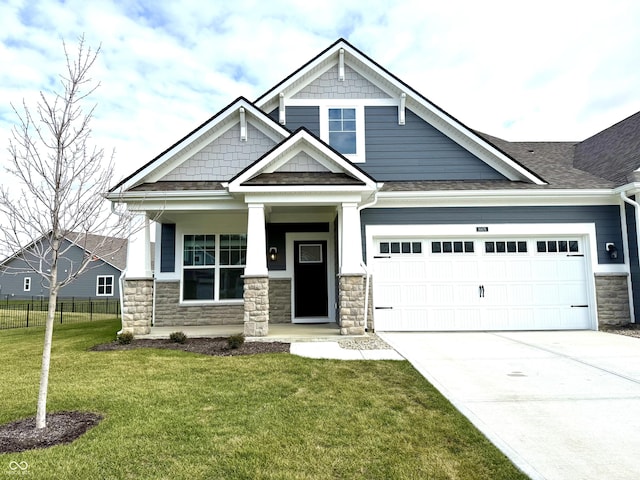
[(290, 238), (98, 294), (585, 231)]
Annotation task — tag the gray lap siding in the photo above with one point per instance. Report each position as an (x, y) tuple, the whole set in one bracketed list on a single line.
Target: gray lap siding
[(605, 217)]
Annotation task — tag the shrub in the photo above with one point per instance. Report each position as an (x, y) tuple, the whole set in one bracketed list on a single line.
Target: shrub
[(178, 337), (235, 341), (125, 338)]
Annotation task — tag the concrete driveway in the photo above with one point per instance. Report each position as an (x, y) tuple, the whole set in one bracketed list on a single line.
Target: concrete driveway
[(560, 405)]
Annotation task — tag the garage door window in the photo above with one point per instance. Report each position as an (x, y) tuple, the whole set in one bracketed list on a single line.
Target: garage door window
[(400, 247), (452, 247), (505, 247), (557, 246)]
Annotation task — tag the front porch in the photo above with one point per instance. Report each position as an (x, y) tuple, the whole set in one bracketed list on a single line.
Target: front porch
[(277, 332)]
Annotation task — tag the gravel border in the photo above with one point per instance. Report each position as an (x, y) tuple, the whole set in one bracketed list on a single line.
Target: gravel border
[(368, 342)]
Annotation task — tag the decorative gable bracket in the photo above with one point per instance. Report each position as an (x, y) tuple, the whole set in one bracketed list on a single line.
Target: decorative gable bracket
[(401, 108)]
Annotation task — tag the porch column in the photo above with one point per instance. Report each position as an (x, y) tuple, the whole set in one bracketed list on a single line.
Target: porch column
[(137, 291), (256, 280), (352, 275)]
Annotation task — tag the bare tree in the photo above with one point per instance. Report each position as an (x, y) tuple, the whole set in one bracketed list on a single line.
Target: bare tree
[(56, 200)]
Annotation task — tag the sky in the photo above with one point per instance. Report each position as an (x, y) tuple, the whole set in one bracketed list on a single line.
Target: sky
[(520, 70)]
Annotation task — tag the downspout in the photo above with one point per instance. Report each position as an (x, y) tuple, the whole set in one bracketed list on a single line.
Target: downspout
[(636, 206), (366, 271), (121, 281)]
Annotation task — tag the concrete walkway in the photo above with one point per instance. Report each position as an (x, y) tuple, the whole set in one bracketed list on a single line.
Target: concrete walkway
[(560, 405), (335, 351)]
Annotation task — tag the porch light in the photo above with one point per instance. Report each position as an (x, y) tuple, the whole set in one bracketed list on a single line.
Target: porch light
[(273, 254), (612, 251)]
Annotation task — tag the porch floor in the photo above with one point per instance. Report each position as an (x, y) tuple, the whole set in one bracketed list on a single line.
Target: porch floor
[(286, 332)]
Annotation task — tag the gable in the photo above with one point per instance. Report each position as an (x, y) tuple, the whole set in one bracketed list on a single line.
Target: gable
[(224, 157), (343, 78), (302, 162), (328, 85)]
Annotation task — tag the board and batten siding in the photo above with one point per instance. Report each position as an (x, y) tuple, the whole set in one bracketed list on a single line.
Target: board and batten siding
[(605, 217), (416, 150)]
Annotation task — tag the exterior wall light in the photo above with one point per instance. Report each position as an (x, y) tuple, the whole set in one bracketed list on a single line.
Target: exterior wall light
[(612, 250), (273, 254)]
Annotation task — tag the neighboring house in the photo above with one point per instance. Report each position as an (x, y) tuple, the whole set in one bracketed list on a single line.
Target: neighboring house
[(273, 211), (101, 279)]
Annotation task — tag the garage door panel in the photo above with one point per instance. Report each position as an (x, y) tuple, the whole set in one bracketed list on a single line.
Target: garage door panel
[(523, 289)]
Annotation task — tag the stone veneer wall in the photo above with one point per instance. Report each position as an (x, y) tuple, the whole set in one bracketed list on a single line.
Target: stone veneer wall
[(351, 293), (279, 300), (137, 308), (612, 295), (256, 306), (169, 312)]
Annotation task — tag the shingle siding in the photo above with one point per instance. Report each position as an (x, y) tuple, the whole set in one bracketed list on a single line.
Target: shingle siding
[(224, 157), (327, 85)]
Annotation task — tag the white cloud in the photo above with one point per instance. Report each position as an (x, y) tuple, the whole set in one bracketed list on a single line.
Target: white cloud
[(521, 70)]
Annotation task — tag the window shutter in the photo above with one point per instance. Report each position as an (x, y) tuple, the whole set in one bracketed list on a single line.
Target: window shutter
[(168, 247)]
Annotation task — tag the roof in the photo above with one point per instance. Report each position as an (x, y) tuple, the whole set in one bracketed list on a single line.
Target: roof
[(613, 153), (111, 250)]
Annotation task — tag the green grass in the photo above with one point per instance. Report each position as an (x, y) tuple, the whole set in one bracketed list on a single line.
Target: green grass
[(170, 414)]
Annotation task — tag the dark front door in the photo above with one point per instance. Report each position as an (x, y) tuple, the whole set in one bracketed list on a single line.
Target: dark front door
[(310, 279)]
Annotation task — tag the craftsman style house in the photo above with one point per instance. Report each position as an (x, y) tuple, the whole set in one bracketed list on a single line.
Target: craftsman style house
[(343, 195)]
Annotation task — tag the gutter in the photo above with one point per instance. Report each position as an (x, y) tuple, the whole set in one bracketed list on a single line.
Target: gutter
[(636, 206), (366, 271)]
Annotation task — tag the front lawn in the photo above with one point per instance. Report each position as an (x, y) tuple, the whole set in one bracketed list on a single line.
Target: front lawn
[(171, 414)]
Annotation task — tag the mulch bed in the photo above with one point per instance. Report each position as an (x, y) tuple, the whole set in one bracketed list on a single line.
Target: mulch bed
[(65, 427), (206, 346), (62, 427)]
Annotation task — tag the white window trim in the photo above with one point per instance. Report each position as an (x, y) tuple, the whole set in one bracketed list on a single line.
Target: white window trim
[(26, 284), (359, 156), (216, 272), (98, 294)]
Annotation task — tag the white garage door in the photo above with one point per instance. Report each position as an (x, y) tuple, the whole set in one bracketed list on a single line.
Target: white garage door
[(488, 284)]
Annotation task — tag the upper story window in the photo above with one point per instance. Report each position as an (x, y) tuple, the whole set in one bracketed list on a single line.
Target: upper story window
[(26, 284), (104, 285), (342, 130), (342, 127)]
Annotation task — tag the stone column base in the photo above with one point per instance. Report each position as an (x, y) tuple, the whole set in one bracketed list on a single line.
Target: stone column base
[(612, 294), (137, 309), (351, 301), (256, 306)]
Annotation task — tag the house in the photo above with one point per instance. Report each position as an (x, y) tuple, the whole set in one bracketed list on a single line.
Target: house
[(344, 195), (18, 277)]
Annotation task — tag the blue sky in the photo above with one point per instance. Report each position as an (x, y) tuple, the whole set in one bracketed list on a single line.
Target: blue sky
[(543, 70)]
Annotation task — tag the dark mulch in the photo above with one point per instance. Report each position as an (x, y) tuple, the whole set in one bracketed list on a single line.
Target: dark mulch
[(62, 427), (206, 346)]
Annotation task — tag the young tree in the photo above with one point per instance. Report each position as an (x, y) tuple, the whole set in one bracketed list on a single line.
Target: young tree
[(57, 194)]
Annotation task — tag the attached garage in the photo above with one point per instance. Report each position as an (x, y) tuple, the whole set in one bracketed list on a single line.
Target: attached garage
[(481, 283)]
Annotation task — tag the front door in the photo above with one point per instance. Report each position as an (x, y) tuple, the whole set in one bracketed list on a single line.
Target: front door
[(311, 302)]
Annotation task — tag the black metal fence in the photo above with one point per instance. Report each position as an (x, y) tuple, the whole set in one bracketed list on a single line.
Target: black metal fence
[(32, 311)]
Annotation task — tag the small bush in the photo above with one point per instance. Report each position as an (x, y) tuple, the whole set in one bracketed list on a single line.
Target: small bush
[(178, 337), (125, 338), (235, 341)]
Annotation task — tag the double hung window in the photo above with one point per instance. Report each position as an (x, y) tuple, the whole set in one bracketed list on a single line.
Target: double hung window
[(213, 266), (342, 130)]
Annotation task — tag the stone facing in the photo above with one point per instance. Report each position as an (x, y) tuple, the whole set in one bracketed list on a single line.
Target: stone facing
[(170, 312), (351, 294), (612, 295), (279, 300), (137, 308), (256, 306)]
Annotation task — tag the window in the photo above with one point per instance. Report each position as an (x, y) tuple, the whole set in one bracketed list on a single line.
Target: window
[(310, 253), (452, 247), (26, 284), (400, 247), (558, 246), (342, 130), (505, 247), (213, 266), (104, 285)]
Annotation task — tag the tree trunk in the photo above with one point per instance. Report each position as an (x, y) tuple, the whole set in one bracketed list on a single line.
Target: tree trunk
[(41, 412)]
